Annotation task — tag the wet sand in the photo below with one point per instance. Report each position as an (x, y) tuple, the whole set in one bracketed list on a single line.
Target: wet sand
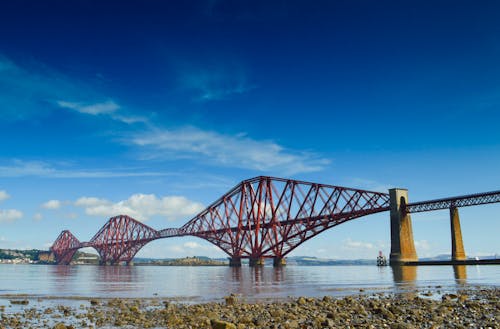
[(467, 308)]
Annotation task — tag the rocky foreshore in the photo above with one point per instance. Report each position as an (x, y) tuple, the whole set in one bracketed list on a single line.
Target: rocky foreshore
[(470, 308)]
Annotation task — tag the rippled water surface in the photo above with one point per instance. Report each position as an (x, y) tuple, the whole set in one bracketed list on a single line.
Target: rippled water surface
[(200, 284)]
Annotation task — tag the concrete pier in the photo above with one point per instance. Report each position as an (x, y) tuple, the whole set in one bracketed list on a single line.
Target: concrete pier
[(457, 244), (279, 261), (402, 245), (235, 262), (254, 262)]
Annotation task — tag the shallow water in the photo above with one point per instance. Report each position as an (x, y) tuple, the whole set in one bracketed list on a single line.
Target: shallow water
[(201, 284)]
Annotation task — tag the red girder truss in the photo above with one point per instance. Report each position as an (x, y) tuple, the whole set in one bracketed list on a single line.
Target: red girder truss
[(65, 247), (269, 217), (260, 217), (121, 238)]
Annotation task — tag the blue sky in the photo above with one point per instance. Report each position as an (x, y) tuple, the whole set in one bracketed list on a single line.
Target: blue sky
[(157, 108)]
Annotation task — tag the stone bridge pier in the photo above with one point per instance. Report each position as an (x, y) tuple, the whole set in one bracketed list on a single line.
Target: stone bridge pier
[(402, 244), (457, 244)]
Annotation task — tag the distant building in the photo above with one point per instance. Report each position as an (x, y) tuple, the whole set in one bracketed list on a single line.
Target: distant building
[(46, 256)]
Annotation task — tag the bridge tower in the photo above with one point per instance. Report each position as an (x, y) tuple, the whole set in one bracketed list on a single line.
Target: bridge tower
[(402, 245), (457, 244)]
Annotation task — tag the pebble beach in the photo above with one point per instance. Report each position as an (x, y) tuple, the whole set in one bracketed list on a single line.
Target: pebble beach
[(468, 308)]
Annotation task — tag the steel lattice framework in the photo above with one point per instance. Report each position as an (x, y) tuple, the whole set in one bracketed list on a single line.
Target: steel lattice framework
[(121, 238), (65, 247), (458, 201), (269, 217), (260, 217)]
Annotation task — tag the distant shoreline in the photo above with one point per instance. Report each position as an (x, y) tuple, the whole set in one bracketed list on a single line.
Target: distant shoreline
[(33, 256)]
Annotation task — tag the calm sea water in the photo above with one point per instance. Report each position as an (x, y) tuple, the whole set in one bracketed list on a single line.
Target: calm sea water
[(200, 284)]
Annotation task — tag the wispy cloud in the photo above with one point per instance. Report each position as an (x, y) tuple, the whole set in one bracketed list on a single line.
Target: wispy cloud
[(4, 195), (349, 244), (227, 150), (10, 215), (38, 216), (141, 207), (41, 85), (20, 168), (34, 90), (221, 82), (422, 245), (425, 249), (107, 107), (30, 90), (52, 204)]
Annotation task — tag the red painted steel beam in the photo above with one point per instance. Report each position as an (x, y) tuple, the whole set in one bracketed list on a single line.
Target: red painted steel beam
[(65, 247), (260, 217), (121, 238), (266, 217)]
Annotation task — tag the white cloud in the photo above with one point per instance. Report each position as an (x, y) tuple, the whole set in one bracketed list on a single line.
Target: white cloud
[(227, 150), (141, 207), (193, 245), (90, 202), (167, 248), (423, 245), (425, 249), (192, 248), (34, 89), (52, 204), (177, 249), (20, 168), (356, 245), (38, 216), (29, 89), (40, 84), (4, 195), (107, 107), (10, 215)]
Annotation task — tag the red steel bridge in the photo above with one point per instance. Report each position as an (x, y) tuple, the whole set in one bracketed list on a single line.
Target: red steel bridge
[(263, 217)]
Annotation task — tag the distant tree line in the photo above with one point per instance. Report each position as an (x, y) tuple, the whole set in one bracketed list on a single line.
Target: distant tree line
[(15, 253)]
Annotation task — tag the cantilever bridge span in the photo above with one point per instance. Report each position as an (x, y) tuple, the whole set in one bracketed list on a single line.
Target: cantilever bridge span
[(263, 217)]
